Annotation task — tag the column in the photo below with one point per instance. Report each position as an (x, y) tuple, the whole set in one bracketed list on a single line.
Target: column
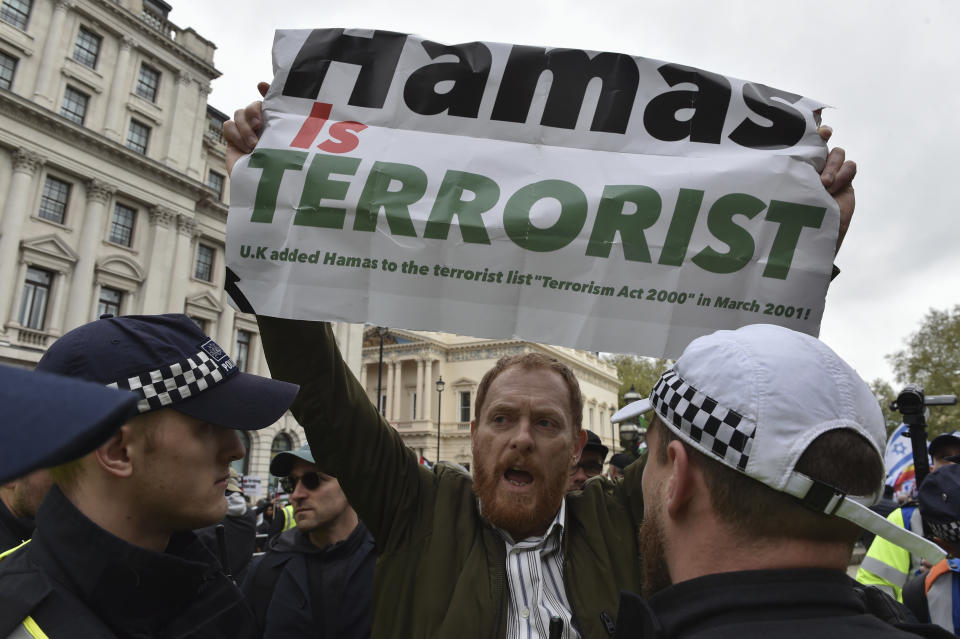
[(183, 263), (78, 306), (397, 389), (55, 312), (363, 376), (421, 392), (388, 387), (178, 141), (428, 388), (25, 166), (225, 328), (194, 161), (49, 62), (119, 87), (160, 267)]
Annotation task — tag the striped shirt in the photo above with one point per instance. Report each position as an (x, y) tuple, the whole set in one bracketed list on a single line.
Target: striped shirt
[(535, 584)]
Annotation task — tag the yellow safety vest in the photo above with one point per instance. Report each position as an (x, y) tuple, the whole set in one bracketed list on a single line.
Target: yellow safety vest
[(288, 520), (887, 565)]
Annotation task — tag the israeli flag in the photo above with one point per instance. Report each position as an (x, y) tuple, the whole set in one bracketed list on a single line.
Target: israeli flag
[(898, 455)]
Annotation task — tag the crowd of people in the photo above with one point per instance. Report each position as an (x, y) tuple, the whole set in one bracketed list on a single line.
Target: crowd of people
[(120, 517)]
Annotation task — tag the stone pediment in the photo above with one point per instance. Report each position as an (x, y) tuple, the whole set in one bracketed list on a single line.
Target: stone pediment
[(393, 337), (205, 300), (463, 381), (52, 246), (121, 266)]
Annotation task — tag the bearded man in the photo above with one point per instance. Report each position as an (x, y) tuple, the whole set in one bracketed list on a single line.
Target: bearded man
[(504, 553)]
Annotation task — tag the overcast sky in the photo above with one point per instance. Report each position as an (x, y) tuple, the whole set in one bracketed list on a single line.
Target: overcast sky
[(889, 69)]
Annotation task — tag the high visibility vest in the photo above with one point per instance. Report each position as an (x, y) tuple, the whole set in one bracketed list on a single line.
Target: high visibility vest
[(28, 629), (886, 565), (288, 520)]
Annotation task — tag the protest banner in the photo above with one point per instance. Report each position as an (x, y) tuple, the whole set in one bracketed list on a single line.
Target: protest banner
[(252, 486), (595, 200)]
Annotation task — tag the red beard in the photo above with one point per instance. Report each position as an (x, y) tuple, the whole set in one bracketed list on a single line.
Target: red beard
[(520, 515)]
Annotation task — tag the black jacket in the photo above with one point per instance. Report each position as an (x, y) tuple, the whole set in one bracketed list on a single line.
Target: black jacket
[(782, 604), (77, 580), (240, 539), (13, 530), (299, 590)]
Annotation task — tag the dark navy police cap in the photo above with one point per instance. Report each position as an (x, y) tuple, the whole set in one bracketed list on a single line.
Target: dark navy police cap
[(49, 420), (169, 362), (939, 498)]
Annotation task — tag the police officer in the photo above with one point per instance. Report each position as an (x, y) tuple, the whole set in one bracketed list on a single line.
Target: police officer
[(886, 565), (107, 558), (38, 409)]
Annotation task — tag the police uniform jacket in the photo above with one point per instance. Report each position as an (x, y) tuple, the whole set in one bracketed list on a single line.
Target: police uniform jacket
[(75, 580), (786, 604), (13, 530)]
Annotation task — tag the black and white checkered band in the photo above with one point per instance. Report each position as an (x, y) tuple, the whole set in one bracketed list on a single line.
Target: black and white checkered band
[(716, 430), (945, 531), (176, 382)]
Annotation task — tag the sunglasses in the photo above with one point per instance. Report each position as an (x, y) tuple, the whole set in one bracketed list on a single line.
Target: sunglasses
[(310, 481), (590, 469)]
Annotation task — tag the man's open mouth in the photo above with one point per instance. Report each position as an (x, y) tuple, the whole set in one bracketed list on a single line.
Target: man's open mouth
[(518, 477)]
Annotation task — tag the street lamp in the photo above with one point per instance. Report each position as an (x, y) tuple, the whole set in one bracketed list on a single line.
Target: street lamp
[(440, 385), (381, 331), (629, 431)]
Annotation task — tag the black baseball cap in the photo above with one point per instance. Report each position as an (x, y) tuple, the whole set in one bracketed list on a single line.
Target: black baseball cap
[(283, 462), (169, 362), (621, 460), (939, 498), (49, 419)]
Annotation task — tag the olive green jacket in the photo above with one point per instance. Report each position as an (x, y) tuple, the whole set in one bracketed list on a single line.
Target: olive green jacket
[(441, 567)]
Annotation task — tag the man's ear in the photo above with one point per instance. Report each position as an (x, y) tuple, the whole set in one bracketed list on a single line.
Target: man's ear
[(579, 441), (681, 483), (113, 456)]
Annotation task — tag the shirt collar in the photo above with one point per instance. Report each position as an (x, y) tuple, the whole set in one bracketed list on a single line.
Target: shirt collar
[(554, 532)]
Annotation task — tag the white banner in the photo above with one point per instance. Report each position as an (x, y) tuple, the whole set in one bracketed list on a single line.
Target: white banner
[(252, 486), (594, 200)]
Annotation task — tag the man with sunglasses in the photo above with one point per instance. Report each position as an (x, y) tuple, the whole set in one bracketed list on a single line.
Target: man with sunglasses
[(590, 464), (316, 578)]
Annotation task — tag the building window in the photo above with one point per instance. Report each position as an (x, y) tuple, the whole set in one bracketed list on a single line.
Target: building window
[(383, 404), (413, 405), (464, 406), (148, 82), (8, 66), (204, 268), (591, 418), (36, 293), (215, 181), (53, 202), (121, 226), (16, 12), (155, 14), (87, 48), (243, 349), (138, 136), (242, 465), (109, 302), (74, 105)]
